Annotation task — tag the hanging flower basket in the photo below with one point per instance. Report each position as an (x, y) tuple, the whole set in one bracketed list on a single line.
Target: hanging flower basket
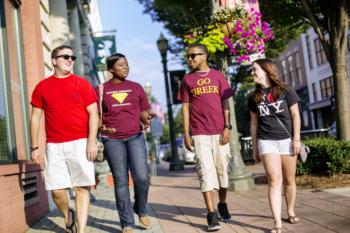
[(235, 31), (227, 28)]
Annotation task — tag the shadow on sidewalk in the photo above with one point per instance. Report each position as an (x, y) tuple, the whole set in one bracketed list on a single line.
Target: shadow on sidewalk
[(171, 213), (101, 224), (47, 223)]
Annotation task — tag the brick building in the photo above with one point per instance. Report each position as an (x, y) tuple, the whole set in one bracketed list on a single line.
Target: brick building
[(29, 31)]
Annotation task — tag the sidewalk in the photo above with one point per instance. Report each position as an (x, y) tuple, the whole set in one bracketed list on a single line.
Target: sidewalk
[(176, 206)]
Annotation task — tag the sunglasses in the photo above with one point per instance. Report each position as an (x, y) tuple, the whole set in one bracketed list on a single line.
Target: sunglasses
[(66, 57), (193, 55)]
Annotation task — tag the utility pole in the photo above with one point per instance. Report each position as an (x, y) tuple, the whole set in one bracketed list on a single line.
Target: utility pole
[(240, 178)]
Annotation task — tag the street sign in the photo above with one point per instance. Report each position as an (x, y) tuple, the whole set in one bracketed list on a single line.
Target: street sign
[(104, 47), (176, 77), (156, 127)]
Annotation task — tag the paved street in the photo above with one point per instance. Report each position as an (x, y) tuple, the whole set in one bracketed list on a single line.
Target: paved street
[(176, 206)]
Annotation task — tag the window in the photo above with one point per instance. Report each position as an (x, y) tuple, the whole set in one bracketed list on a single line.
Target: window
[(320, 54), (4, 143), (314, 91), (284, 71), (309, 54), (292, 74), (326, 87), (298, 72), (14, 116)]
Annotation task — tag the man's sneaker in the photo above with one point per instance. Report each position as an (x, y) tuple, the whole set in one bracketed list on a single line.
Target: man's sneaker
[(213, 221), (223, 211), (145, 222), (128, 230)]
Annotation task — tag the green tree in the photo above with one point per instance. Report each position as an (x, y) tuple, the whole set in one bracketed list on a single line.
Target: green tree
[(330, 20), (178, 16)]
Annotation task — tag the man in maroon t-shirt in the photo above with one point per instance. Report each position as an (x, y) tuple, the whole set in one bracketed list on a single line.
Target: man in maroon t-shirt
[(204, 93), (71, 122)]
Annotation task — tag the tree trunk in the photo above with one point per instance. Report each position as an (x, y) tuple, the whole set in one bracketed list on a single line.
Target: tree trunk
[(341, 88), (339, 65), (336, 51)]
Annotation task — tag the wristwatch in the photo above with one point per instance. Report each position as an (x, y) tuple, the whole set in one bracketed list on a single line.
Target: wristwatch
[(33, 148), (228, 126)]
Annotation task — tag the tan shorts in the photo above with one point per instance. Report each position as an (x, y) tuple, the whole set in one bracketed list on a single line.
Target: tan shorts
[(212, 162), (67, 166)]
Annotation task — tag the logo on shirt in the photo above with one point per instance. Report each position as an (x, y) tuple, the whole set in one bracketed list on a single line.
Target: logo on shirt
[(120, 96), (265, 110), (204, 87)]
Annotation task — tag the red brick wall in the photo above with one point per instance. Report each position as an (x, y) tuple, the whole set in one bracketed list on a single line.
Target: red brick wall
[(14, 216)]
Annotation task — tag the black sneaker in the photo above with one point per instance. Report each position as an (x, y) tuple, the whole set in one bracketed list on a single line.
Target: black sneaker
[(223, 211), (213, 221)]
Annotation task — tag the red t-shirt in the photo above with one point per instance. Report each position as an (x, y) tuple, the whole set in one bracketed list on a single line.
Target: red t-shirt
[(205, 93), (64, 101), (122, 105)]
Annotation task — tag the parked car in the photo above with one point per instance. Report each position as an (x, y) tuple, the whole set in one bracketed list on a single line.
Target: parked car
[(184, 154), (162, 149)]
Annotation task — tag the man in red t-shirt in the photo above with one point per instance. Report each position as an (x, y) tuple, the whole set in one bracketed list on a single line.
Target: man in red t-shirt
[(71, 121), (204, 93)]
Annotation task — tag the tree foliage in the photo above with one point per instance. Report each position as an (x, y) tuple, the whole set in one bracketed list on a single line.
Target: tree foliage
[(178, 16), (288, 18)]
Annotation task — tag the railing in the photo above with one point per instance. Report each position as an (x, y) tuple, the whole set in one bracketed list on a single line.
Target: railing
[(315, 133), (247, 148)]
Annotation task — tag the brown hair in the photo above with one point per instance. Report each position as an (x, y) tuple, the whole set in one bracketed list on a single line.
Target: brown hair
[(59, 48), (277, 85)]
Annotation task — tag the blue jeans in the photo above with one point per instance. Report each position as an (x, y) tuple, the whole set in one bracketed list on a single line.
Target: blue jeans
[(124, 155)]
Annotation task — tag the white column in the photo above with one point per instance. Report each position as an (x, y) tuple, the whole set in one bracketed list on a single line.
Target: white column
[(75, 39), (59, 23)]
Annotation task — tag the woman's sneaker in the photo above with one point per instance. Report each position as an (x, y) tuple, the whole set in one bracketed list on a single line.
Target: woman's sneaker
[(223, 211), (213, 221)]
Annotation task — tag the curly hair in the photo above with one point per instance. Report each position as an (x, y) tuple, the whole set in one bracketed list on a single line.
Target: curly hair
[(272, 72)]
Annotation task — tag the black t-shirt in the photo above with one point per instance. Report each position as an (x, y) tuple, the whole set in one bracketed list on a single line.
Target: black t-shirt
[(268, 126)]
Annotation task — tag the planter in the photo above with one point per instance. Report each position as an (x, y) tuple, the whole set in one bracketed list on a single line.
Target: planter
[(227, 28)]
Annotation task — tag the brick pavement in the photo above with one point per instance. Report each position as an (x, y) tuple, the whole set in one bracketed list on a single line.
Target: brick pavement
[(176, 206)]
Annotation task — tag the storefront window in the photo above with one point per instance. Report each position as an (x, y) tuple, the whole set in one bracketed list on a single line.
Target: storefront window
[(14, 117), (4, 145)]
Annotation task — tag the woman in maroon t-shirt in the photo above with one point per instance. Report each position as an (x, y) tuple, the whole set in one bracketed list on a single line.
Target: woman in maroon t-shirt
[(123, 103)]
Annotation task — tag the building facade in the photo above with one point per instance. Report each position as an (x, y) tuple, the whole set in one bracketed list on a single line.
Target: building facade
[(304, 65), (29, 32), (292, 68), (320, 81)]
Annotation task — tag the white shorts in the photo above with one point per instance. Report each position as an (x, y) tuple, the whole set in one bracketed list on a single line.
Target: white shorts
[(212, 162), (278, 147), (67, 166)]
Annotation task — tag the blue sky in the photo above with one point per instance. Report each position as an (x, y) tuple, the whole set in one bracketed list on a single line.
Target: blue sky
[(136, 38)]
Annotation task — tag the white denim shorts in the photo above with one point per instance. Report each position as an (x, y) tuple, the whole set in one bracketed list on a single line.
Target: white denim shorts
[(67, 166), (278, 147), (212, 162)]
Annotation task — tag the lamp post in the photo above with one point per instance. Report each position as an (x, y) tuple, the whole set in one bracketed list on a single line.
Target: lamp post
[(175, 164)]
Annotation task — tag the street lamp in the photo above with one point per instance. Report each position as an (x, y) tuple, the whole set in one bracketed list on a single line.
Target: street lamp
[(175, 164)]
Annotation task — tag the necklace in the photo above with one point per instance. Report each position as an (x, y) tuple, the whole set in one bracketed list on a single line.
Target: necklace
[(203, 74)]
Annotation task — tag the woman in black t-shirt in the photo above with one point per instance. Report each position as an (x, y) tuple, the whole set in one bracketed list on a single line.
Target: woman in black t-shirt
[(271, 142)]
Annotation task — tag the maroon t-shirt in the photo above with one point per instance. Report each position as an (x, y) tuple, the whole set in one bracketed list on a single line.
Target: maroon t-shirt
[(122, 105), (205, 93)]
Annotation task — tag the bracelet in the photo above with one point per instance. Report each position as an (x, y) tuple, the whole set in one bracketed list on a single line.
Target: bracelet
[(33, 148), (186, 135)]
